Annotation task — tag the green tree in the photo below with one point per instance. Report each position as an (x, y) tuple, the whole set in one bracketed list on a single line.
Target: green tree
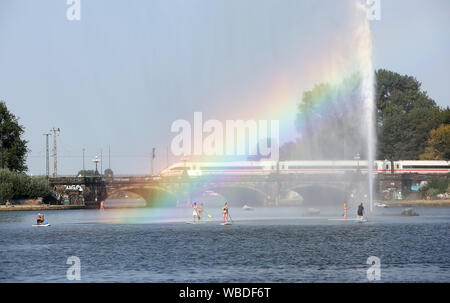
[(329, 120), (109, 172), (405, 116), (87, 173), (15, 186), (40, 187), (445, 115), (6, 186), (328, 123), (13, 149)]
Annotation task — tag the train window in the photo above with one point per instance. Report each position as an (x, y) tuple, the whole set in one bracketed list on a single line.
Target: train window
[(426, 166), (387, 166), (398, 165), (230, 167), (327, 167)]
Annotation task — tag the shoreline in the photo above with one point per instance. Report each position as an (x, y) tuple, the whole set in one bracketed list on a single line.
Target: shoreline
[(40, 207), (417, 203), (392, 203)]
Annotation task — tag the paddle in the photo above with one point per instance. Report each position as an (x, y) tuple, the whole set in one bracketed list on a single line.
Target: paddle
[(230, 218)]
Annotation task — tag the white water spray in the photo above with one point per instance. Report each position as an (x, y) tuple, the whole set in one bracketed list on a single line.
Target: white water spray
[(364, 39)]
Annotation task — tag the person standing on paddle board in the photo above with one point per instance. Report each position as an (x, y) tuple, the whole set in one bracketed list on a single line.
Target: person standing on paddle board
[(195, 213), (360, 214), (345, 210), (225, 213), (200, 211), (40, 219)]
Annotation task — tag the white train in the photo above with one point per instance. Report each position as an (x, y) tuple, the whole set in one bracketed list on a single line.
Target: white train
[(310, 167)]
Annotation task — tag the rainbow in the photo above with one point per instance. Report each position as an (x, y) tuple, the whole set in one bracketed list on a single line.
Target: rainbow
[(336, 65)]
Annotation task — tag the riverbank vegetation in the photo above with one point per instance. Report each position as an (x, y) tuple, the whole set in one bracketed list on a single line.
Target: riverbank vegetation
[(16, 186), (14, 183), (436, 188)]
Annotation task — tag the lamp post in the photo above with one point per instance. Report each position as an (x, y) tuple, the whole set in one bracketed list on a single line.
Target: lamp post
[(96, 160)]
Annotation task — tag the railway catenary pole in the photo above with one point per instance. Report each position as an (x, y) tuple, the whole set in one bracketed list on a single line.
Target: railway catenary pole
[(55, 156)]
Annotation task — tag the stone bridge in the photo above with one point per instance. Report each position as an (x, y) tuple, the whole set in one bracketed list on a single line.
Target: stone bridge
[(268, 190)]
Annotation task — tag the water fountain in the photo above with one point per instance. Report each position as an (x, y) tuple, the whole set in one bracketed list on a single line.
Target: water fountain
[(368, 93)]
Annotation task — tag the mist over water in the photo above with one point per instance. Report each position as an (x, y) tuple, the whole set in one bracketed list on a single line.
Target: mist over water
[(336, 118)]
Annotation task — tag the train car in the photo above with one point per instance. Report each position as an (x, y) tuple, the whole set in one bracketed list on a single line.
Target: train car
[(220, 168), (304, 167), (324, 167), (421, 167), (383, 167)]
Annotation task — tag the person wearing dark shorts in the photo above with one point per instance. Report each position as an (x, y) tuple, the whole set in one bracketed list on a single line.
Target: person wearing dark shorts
[(360, 214)]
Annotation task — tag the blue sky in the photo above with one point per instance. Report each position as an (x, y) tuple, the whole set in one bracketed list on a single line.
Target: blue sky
[(122, 74)]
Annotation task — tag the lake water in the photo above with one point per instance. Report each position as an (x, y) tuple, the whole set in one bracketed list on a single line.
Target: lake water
[(262, 245)]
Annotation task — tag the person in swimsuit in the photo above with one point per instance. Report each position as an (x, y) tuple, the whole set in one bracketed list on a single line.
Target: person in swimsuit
[(195, 213), (360, 214), (225, 213), (200, 211), (345, 210), (40, 219)]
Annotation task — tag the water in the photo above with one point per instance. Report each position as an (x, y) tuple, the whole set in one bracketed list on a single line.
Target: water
[(263, 245)]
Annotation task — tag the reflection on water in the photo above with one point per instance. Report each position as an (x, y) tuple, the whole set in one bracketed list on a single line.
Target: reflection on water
[(263, 245)]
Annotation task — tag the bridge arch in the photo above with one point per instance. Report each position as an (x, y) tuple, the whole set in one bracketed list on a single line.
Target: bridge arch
[(321, 194), (154, 196), (236, 195)]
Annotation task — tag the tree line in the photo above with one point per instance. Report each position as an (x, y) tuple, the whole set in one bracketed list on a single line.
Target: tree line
[(14, 183), (15, 186)]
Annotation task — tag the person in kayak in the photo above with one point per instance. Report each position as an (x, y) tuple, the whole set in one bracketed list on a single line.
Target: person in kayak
[(195, 212), (225, 213), (40, 219), (360, 214)]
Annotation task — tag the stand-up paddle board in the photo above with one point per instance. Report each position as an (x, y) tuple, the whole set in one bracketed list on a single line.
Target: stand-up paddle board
[(201, 222), (349, 219), (228, 223), (45, 224)]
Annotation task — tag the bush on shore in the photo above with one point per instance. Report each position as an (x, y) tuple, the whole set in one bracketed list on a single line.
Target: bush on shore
[(14, 186), (436, 186)]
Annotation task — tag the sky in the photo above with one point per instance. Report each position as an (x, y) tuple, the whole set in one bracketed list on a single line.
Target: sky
[(122, 74)]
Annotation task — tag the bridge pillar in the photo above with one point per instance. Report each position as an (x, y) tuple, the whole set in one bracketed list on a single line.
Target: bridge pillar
[(97, 192)]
